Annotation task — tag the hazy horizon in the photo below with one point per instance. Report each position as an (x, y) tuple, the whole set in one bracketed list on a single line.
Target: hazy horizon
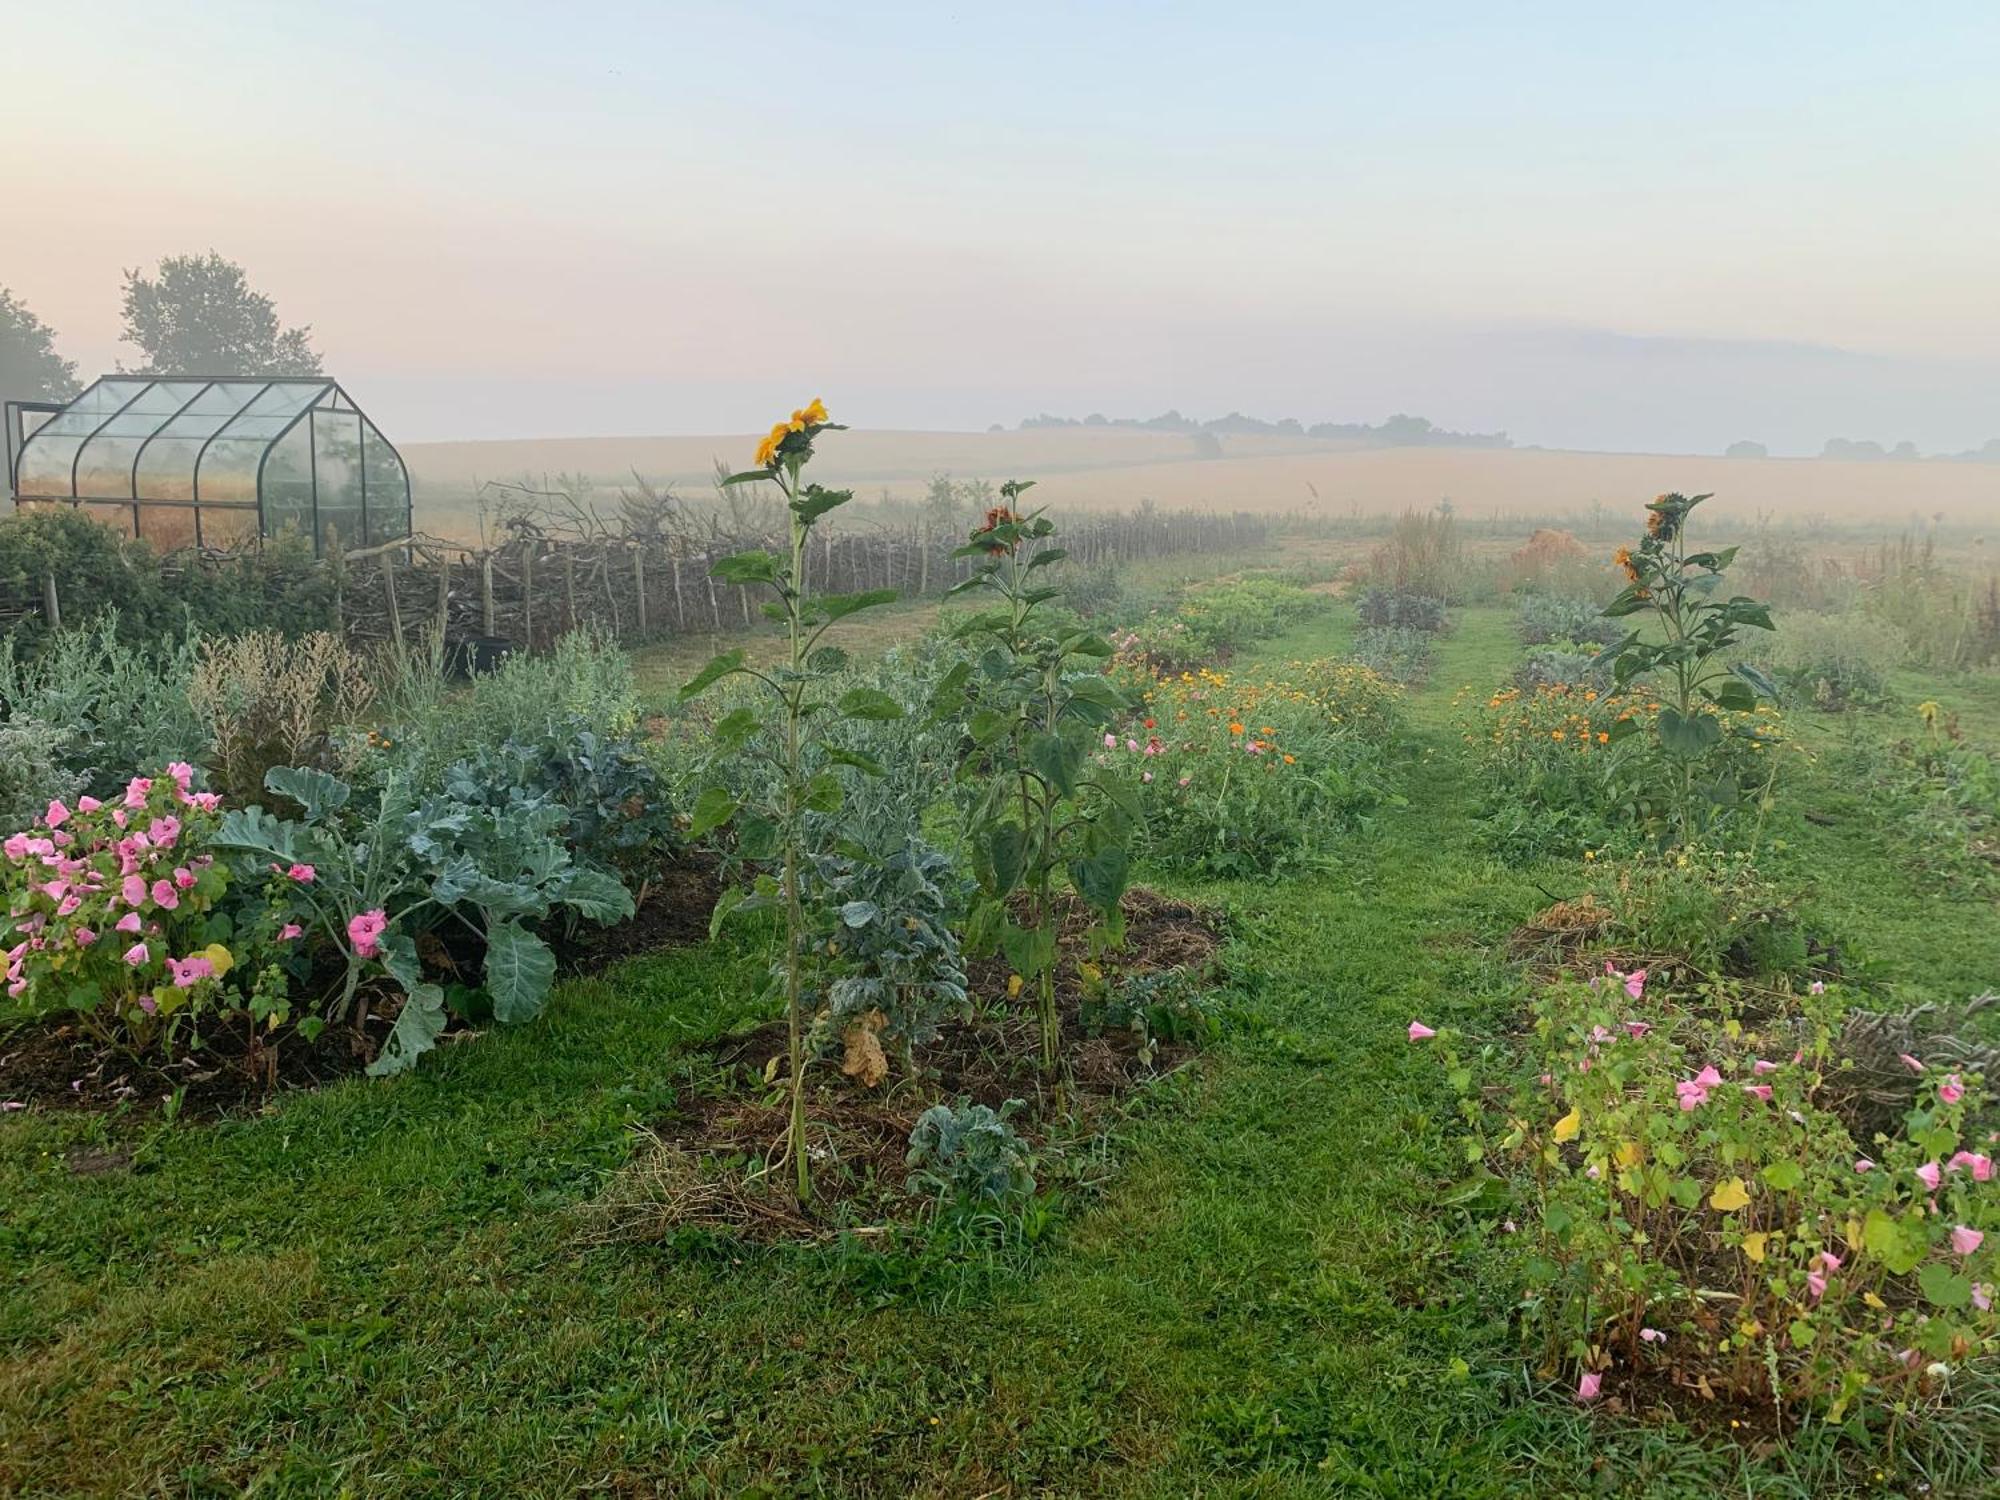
[(1590, 229)]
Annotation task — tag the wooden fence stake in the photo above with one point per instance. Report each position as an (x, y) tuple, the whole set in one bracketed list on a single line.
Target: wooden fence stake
[(389, 597)]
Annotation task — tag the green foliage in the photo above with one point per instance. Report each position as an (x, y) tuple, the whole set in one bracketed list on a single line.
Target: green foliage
[(1253, 780), (1835, 662), (797, 706), (1034, 702), (32, 772), (1403, 609), (1706, 1146), (428, 718), (1398, 653), (101, 575), (883, 910), (968, 1153), (116, 706), (366, 876), (1163, 1008), (1690, 662), (1555, 619), (197, 315), (30, 368)]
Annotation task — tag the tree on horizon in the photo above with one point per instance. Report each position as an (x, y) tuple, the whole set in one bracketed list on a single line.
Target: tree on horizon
[(30, 368), (199, 315)]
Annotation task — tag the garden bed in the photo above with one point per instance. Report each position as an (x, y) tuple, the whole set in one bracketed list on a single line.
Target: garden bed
[(702, 1167), (57, 1064)]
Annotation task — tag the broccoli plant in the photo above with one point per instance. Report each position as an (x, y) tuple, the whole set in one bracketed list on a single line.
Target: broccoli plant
[(886, 930), (969, 1153)]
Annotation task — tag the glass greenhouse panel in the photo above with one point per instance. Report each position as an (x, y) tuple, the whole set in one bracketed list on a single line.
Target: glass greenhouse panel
[(182, 459)]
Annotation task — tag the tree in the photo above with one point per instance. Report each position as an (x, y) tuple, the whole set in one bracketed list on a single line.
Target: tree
[(30, 368), (199, 316), (1746, 449)]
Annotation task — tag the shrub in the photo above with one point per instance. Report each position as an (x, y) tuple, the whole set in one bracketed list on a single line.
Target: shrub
[(1547, 619), (1241, 778), (1423, 555), (1561, 666), (1670, 1154), (112, 917), (969, 1154), (1398, 609), (151, 597), (118, 706), (1835, 661), (1398, 653), (264, 701), (1560, 773), (32, 773)]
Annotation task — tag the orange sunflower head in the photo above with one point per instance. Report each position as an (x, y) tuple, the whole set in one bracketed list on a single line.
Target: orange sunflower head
[(997, 517)]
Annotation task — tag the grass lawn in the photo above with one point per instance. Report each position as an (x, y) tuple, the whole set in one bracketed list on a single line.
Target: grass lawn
[(382, 1289)]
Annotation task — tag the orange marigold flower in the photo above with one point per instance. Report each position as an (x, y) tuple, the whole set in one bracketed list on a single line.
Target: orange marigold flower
[(1235, 727)]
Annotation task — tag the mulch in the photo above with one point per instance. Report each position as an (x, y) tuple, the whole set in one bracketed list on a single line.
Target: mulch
[(702, 1167)]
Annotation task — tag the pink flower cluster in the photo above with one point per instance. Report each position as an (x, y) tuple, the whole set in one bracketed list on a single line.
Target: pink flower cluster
[(122, 867)]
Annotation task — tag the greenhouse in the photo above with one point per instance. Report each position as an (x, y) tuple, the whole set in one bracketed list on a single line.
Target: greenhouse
[(214, 462)]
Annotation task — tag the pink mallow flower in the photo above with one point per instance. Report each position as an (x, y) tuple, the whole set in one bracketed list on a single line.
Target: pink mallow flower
[(138, 954), (1952, 1089), (289, 931), (85, 937), (130, 922), (1419, 1031), (365, 929), (1762, 1068), (1652, 1335), (1910, 1062), (1759, 1090), (1637, 1028), (1929, 1175), (185, 972), (1982, 1295), (1975, 1162), (1588, 1387), (1693, 1092), (164, 895), (1863, 1164), (1965, 1240), (57, 815), (303, 874)]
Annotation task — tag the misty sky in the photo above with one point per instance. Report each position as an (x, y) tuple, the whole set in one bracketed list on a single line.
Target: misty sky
[(1596, 226)]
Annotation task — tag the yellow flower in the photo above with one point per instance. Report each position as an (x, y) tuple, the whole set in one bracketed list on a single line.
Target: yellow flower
[(1013, 986), (815, 411), (767, 451)]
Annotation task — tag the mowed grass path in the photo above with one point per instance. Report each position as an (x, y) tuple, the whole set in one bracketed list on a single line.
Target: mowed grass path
[(381, 1289)]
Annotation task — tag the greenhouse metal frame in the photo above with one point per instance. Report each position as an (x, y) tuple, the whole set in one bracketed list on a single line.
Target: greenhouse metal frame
[(214, 460)]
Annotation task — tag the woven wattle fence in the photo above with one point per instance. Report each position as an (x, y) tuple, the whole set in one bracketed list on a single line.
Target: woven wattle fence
[(532, 590)]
